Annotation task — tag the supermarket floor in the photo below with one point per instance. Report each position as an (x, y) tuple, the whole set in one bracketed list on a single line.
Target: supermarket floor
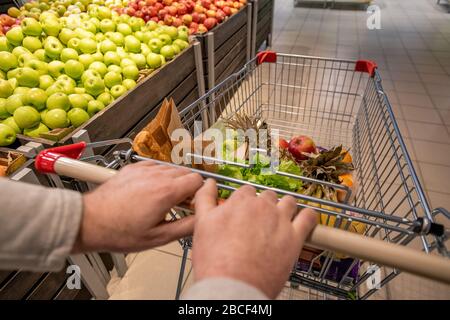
[(412, 50)]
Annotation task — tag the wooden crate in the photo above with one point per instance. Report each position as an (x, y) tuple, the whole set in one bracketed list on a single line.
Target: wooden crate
[(231, 43), (176, 78), (264, 18)]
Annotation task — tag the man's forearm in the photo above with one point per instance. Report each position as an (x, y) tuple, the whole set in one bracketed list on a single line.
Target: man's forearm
[(38, 225)]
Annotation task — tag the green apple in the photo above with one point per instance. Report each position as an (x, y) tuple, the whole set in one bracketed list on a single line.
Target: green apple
[(35, 132), (112, 78), (94, 106), (54, 88), (4, 44), (32, 43), (37, 98), (52, 27), (99, 37), (89, 73), (3, 112), (27, 77), (7, 135), (74, 43), (78, 101), (5, 88), (168, 52), (82, 34), (94, 86), (45, 81), (115, 68), (130, 72), (40, 66), (58, 100), (154, 60), (132, 44), (139, 59), (107, 45), (13, 81), (56, 68), (31, 27), (77, 117), (129, 83), (151, 25), (88, 97), (25, 57), (2, 75), (13, 102), (26, 117), (56, 118), (12, 124), (165, 39), (98, 56), (48, 15), (176, 48), (106, 98), (24, 92), (172, 32), (7, 61), (124, 29), (118, 90), (124, 18), (117, 38), (100, 67), (18, 51), (15, 36), (122, 53), (88, 45), (40, 55), (86, 59), (183, 35), (136, 23), (79, 90), (66, 34), (145, 50), (68, 87), (69, 54), (111, 58), (181, 44), (53, 47), (127, 62), (107, 25), (139, 35), (74, 69), (104, 13), (155, 45)]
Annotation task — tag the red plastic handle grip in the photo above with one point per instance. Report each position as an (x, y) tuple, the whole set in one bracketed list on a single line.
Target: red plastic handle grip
[(366, 66), (266, 56), (45, 160)]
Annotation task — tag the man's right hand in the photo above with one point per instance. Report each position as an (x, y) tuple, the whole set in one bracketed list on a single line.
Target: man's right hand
[(254, 239)]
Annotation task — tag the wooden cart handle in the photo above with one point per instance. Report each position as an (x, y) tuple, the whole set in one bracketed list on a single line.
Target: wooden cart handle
[(327, 238)]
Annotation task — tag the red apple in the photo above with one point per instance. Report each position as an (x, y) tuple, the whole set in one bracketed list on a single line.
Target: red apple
[(233, 10), (283, 144), (220, 15), (139, 14), (299, 145), (172, 10), (220, 3), (150, 2), (168, 19), (201, 17), (195, 17), (227, 10), (162, 13), (158, 6), (211, 13), (130, 11), (198, 8), (156, 19), (243, 1), (193, 25), (181, 10), (141, 4), (205, 3), (210, 23), (201, 29), (213, 7), (187, 19), (167, 2), (177, 22)]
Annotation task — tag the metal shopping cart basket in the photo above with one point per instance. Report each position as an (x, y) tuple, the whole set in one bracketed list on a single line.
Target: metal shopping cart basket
[(335, 102)]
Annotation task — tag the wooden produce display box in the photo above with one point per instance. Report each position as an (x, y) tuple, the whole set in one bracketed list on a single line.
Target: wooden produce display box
[(177, 78), (232, 41), (264, 19)]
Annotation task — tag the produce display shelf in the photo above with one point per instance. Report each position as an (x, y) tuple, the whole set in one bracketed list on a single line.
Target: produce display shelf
[(177, 78), (226, 48)]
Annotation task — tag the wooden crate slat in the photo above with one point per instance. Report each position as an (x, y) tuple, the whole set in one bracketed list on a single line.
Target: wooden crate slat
[(49, 286), (18, 286)]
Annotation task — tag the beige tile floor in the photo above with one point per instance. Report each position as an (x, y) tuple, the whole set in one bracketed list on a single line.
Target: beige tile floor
[(412, 51)]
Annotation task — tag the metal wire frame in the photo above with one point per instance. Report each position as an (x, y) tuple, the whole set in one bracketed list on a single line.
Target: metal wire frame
[(327, 100)]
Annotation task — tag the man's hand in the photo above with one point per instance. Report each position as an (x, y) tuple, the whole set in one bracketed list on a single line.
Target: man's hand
[(128, 212), (254, 239)]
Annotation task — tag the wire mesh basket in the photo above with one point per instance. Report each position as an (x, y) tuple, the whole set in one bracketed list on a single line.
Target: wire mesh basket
[(336, 102)]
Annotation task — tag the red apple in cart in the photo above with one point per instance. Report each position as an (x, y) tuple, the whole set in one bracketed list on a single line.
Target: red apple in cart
[(283, 144), (187, 19), (158, 6), (172, 10), (139, 14), (190, 6), (181, 10), (201, 29), (193, 25), (201, 17), (162, 13), (301, 144), (211, 13), (210, 23), (151, 11)]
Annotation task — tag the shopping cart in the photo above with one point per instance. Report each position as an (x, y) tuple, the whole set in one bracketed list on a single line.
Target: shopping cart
[(335, 102)]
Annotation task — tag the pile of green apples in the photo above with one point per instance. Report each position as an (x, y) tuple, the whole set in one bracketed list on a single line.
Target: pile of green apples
[(58, 72)]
